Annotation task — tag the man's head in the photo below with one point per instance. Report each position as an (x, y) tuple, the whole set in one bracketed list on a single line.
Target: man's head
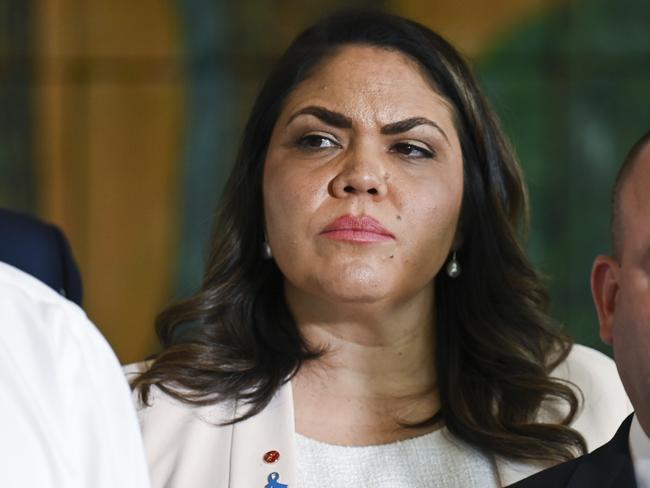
[(621, 284), (624, 171)]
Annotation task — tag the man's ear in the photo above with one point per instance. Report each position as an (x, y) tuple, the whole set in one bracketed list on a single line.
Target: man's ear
[(604, 288)]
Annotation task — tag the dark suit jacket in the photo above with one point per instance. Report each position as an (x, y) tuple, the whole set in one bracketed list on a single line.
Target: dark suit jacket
[(609, 466), (41, 250)]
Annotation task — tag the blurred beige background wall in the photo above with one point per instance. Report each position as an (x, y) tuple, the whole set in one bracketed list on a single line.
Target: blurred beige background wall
[(109, 116)]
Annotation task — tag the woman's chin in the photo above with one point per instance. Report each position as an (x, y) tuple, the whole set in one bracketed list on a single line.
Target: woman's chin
[(351, 282), (351, 297), (358, 284)]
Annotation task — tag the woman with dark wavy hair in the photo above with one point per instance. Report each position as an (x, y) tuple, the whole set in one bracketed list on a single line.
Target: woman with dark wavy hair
[(368, 316)]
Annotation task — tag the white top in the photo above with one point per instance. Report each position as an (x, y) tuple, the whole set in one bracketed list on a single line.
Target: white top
[(435, 460), (66, 417), (640, 454)]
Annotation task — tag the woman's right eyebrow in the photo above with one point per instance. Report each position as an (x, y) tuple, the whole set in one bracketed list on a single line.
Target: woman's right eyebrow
[(334, 119)]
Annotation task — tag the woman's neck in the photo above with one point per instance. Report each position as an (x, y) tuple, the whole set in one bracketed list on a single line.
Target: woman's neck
[(377, 372)]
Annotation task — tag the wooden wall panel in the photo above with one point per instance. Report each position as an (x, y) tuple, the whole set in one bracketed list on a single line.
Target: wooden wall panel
[(132, 211), (110, 114)]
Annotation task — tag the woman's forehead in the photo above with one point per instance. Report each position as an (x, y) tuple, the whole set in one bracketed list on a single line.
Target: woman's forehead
[(368, 81)]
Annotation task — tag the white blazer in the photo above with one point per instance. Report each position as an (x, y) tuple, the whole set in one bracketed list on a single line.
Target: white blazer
[(186, 446)]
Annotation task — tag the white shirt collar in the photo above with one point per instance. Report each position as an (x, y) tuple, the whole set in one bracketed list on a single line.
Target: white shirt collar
[(640, 454)]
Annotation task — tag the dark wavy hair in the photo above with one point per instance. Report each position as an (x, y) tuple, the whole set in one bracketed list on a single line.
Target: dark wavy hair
[(495, 343)]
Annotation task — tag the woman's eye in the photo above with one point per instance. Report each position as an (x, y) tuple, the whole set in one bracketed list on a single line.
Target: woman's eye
[(314, 141), (412, 151)]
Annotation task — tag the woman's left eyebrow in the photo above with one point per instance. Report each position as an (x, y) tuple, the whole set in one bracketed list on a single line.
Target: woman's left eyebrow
[(407, 124)]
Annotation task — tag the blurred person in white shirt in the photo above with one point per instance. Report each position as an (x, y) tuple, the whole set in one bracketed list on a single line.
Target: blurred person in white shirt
[(66, 416)]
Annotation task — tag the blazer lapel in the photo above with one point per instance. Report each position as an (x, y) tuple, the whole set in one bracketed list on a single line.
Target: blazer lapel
[(271, 430)]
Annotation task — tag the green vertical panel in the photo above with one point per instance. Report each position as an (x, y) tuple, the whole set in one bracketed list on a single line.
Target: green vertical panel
[(573, 90), (16, 89), (209, 134)]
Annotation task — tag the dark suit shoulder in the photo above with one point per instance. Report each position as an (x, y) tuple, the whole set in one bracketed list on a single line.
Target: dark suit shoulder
[(40, 249), (558, 475), (609, 466)]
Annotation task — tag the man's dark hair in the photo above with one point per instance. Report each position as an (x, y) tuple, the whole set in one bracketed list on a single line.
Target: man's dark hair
[(623, 172)]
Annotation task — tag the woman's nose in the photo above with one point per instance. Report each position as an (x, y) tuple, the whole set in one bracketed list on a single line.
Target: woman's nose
[(360, 175)]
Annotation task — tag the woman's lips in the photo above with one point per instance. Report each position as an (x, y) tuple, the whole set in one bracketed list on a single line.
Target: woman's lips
[(362, 229)]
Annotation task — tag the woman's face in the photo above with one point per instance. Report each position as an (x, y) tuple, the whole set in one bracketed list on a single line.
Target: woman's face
[(363, 180)]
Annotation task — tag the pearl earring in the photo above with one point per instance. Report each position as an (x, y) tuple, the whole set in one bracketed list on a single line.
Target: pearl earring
[(266, 249), (453, 268)]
